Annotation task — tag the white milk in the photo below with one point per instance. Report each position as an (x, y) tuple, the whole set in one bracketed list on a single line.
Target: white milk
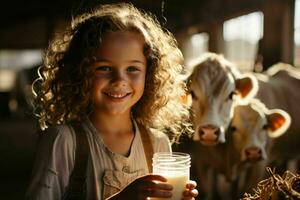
[(175, 168), (178, 183)]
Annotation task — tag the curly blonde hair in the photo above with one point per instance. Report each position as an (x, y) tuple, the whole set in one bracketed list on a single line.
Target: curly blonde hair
[(63, 87)]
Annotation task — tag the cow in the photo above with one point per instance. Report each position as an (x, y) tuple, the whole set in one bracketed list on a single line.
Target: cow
[(212, 87), (279, 87), (215, 85), (209, 88), (243, 155), (253, 131), (252, 124)]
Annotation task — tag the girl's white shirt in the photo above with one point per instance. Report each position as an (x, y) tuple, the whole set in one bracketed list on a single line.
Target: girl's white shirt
[(110, 171)]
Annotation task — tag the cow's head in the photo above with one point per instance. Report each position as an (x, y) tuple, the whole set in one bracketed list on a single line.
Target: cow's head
[(251, 126), (215, 85)]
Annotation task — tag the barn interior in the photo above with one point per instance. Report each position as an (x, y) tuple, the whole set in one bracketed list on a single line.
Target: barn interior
[(254, 34)]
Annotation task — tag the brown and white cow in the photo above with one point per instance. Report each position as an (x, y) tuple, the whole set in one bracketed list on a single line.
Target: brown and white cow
[(279, 87), (251, 127), (214, 85), (245, 148), (253, 130), (213, 82)]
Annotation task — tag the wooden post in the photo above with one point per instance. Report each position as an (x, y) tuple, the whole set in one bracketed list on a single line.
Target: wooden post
[(277, 44)]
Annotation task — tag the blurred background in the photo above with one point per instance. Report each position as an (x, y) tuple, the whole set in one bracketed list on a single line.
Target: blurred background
[(252, 33)]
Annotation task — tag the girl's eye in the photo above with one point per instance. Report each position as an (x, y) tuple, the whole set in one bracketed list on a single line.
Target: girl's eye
[(132, 69), (103, 68)]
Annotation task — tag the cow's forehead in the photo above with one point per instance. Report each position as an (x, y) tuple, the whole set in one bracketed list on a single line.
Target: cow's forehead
[(249, 114), (212, 79)]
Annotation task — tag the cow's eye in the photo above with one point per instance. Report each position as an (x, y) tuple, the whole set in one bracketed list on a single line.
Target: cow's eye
[(232, 128), (231, 95), (265, 127), (193, 95)]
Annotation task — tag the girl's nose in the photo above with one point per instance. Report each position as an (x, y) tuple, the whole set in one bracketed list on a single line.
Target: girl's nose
[(119, 79)]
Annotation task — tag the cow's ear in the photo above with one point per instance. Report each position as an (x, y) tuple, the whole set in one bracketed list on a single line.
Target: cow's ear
[(278, 122), (246, 86)]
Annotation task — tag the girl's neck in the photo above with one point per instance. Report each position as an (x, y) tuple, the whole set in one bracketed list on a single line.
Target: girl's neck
[(112, 124)]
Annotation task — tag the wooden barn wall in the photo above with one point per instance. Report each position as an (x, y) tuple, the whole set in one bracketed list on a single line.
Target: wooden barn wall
[(277, 43), (34, 30)]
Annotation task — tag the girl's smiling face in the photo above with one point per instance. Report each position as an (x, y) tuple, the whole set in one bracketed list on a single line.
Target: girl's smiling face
[(119, 72)]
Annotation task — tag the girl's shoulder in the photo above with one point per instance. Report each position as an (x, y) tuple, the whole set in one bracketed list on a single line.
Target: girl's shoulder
[(55, 155), (63, 131), (58, 136)]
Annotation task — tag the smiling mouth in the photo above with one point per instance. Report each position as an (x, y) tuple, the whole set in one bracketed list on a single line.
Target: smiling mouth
[(116, 95)]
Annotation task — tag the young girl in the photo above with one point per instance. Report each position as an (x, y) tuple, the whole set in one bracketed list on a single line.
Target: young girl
[(112, 76)]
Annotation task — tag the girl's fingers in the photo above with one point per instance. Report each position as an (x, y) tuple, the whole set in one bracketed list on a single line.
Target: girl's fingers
[(189, 194), (190, 191), (152, 186), (191, 185), (154, 177), (157, 186), (154, 181)]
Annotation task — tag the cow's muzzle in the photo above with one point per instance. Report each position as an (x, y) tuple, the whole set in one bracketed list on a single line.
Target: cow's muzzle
[(209, 134)]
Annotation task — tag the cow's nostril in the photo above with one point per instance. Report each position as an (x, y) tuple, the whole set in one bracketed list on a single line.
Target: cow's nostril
[(253, 153), (247, 152), (201, 132), (259, 152), (217, 132)]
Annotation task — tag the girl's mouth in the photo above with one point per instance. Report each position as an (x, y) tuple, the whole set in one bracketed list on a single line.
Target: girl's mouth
[(116, 95)]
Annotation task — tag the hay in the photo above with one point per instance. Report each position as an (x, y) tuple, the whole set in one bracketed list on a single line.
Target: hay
[(276, 187)]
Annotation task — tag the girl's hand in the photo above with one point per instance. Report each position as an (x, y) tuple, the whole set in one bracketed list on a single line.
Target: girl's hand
[(191, 192), (146, 186)]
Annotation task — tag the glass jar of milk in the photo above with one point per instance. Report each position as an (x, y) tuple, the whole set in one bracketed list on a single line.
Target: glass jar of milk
[(175, 167)]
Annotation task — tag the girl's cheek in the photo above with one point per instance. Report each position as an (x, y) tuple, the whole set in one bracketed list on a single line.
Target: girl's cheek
[(138, 77), (99, 75)]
